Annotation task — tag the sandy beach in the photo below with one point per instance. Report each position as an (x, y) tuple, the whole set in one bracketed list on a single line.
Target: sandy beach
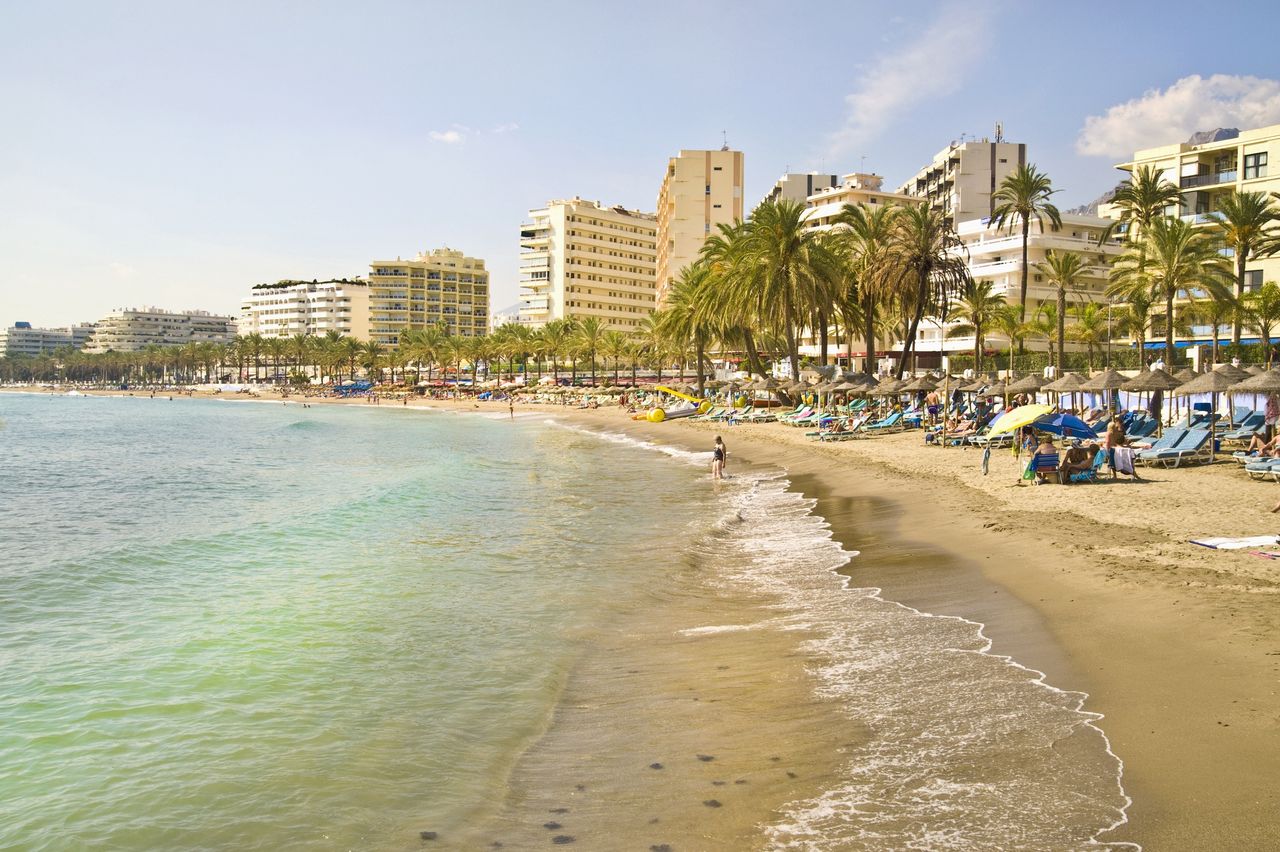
[(1095, 585)]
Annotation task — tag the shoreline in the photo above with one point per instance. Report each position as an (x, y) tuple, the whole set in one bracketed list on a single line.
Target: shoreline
[(1174, 645)]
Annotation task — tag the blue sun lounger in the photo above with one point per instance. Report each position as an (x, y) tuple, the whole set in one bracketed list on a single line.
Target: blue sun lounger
[(1192, 447)]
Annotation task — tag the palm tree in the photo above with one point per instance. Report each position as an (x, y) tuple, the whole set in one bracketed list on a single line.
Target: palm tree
[(1173, 258), (1134, 318), (930, 267), (277, 350), (650, 341), (977, 309), (614, 346), (555, 339), (1262, 308), (1090, 328), (586, 338), (1244, 222), (1215, 313), (372, 357), (1024, 196), (866, 234), (301, 345), (784, 272), (681, 319), (255, 342), (1066, 271)]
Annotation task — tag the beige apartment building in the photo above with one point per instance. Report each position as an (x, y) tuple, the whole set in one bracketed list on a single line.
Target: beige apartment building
[(700, 190), (288, 308), (441, 286), (798, 186), (134, 329), (24, 340), (580, 259), (1207, 168), (963, 176), (857, 188)]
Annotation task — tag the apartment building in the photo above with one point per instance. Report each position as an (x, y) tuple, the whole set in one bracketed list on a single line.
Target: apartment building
[(963, 176), (1208, 167), (798, 186), (288, 308), (700, 190), (858, 188), (995, 255), (442, 286), (24, 340), (134, 329), (581, 259)]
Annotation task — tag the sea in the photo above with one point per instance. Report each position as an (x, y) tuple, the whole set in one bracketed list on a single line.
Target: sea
[(235, 625)]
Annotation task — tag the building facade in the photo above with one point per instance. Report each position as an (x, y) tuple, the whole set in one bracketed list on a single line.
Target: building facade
[(442, 286), (700, 190), (24, 340), (289, 308), (857, 188), (995, 255), (579, 259), (1207, 171), (963, 176), (134, 329), (798, 186)]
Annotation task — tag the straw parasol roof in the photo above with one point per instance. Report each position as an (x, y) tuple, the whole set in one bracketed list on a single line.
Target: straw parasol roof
[(1030, 382), (888, 387), (1066, 383), (1214, 381), (1255, 370), (1233, 371), (979, 383), (1152, 380), (923, 383), (1107, 380), (1186, 374), (1267, 381)]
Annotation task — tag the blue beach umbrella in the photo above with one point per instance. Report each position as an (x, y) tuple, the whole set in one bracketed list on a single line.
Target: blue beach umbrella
[(1067, 425)]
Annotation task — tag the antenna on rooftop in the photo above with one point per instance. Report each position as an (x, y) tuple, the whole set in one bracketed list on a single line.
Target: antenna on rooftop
[(862, 162), (725, 135), (999, 131)]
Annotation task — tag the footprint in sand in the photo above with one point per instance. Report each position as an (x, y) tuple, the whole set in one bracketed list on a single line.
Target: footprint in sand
[(706, 758)]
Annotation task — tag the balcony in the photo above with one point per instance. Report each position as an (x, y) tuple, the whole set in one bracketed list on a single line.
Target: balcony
[(1202, 218), (1193, 181)]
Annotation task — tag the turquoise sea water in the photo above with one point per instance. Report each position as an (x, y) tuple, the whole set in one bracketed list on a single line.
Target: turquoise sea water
[(255, 626), (250, 626)]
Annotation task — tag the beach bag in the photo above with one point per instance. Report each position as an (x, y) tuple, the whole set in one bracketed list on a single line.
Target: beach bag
[(1028, 473)]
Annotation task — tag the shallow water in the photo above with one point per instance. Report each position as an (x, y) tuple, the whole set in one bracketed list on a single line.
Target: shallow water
[(257, 626)]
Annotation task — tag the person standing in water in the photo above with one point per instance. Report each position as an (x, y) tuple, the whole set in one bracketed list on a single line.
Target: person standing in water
[(718, 456), (511, 406)]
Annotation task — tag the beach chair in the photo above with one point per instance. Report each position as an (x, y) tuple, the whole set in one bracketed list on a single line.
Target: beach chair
[(1251, 425), (892, 423), (1090, 475), (1143, 427), (1168, 441), (1046, 464), (1192, 448), (1263, 469)]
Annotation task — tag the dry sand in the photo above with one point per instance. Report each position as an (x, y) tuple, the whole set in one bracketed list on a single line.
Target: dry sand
[(1095, 584)]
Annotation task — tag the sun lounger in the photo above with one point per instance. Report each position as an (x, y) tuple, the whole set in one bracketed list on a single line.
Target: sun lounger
[(1250, 426), (1263, 469), (1192, 448), (892, 423), (1168, 441)]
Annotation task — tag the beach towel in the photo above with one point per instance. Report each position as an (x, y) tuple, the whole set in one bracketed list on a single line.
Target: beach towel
[(1237, 543), (1122, 460)]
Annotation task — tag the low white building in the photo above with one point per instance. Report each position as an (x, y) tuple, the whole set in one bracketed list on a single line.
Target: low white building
[(23, 339), (289, 308), (134, 329)]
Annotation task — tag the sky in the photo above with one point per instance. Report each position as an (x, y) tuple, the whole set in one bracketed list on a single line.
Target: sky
[(176, 153)]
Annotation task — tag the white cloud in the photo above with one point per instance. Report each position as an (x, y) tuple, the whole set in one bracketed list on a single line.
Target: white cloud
[(931, 66), (1191, 104), (506, 128), (448, 137)]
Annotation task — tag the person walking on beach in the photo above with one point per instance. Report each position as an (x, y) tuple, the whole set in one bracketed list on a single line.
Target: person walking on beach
[(718, 456), (511, 406)]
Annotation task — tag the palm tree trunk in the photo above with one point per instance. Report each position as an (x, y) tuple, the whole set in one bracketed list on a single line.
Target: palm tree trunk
[(1062, 328), (698, 353), (1168, 328), (753, 354), (1235, 327), (1026, 236), (822, 338), (869, 333)]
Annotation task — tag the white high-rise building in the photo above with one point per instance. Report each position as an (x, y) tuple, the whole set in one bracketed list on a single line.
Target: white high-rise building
[(963, 176), (579, 259), (288, 308), (22, 339)]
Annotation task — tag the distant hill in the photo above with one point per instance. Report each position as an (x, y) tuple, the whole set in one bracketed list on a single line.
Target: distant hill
[(1091, 209), (1216, 135)]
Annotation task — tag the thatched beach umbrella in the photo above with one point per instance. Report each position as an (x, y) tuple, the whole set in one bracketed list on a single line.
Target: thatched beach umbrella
[(1152, 380), (1066, 383), (1030, 383), (923, 383), (1255, 370), (1266, 382), (1186, 374), (1107, 380), (1219, 380)]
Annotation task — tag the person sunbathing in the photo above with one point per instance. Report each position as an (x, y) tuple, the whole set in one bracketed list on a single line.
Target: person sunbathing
[(1076, 460), (1261, 447), (1045, 450)]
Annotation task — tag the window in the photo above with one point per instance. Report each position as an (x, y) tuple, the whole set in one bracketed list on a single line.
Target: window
[(1255, 165), (715, 168), (1252, 280), (708, 189)]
